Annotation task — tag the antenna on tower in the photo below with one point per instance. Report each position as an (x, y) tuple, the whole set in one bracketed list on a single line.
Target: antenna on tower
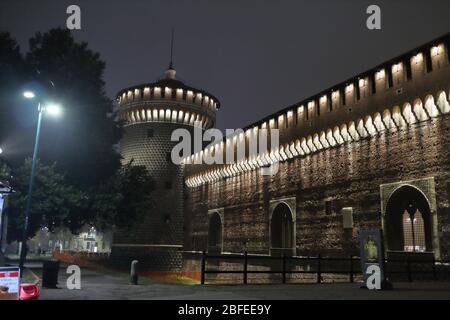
[(171, 49), (171, 73)]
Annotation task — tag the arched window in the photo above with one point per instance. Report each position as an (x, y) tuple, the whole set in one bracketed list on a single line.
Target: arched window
[(413, 232), (408, 221), (282, 230)]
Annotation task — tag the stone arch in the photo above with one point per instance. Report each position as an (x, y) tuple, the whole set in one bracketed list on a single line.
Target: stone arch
[(430, 106), (387, 119), (395, 199), (352, 132), (304, 146), (317, 142), (287, 151), (378, 122), (344, 133), (419, 110), (293, 149), (360, 128), (397, 117), (282, 226), (442, 102), (369, 124), (330, 138), (310, 144), (408, 113), (323, 140), (406, 206)]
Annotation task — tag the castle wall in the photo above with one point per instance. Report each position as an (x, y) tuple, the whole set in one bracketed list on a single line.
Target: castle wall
[(322, 184), (341, 152)]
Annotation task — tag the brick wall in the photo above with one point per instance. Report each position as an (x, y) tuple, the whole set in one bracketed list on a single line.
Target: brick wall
[(347, 176), (163, 223)]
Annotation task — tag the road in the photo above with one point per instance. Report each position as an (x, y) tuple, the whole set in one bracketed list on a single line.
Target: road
[(99, 286)]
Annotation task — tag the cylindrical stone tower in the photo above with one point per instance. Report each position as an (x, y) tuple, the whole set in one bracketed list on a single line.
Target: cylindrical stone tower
[(151, 112)]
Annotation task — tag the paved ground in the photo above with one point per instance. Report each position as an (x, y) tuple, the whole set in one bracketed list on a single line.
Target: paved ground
[(100, 286)]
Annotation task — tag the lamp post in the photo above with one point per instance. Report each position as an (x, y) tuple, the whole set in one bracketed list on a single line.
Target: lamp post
[(54, 109)]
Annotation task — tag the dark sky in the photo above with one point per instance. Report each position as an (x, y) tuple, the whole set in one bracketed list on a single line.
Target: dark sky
[(255, 56)]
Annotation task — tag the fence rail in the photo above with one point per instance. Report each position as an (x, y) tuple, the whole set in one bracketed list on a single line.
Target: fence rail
[(322, 266)]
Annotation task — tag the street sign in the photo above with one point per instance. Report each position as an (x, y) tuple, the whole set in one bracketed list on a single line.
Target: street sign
[(9, 283)]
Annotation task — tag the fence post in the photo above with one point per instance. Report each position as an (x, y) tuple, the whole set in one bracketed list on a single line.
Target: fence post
[(319, 268), (245, 266), (284, 268), (351, 269), (434, 268), (408, 261), (203, 267)]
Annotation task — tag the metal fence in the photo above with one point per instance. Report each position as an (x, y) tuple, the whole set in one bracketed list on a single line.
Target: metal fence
[(408, 269)]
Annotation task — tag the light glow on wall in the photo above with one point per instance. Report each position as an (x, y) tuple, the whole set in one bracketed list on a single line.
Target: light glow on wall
[(380, 74)]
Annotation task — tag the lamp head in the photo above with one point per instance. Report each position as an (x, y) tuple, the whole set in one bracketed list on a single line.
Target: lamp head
[(53, 109), (29, 94)]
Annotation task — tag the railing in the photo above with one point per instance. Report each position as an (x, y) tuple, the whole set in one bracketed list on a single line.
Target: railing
[(284, 271), (350, 266)]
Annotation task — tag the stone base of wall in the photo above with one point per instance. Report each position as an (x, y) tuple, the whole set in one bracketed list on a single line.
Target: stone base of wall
[(151, 259)]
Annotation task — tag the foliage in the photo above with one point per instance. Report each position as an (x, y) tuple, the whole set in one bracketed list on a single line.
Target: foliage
[(79, 179), (52, 200)]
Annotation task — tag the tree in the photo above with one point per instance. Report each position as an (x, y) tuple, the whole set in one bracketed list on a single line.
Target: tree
[(79, 179), (13, 74), (124, 199), (82, 141), (53, 199)]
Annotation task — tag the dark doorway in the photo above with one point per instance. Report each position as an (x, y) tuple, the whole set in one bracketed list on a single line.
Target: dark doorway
[(215, 234), (408, 221), (282, 230)]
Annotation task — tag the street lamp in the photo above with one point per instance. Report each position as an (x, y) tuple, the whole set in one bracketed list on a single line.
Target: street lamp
[(28, 94), (52, 109)]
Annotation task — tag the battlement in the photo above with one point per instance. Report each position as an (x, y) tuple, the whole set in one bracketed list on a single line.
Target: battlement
[(411, 88), (167, 100)]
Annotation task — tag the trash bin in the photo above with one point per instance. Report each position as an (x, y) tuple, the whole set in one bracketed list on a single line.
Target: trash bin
[(50, 273)]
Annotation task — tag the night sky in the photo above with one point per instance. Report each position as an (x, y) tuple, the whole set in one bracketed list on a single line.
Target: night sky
[(255, 56)]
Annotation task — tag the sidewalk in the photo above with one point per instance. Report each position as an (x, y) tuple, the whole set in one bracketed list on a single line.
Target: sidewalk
[(98, 286)]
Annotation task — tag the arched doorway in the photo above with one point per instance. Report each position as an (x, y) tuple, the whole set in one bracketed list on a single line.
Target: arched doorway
[(408, 221), (215, 233), (281, 230)]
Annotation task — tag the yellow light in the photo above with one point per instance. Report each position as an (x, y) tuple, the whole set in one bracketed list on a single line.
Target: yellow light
[(418, 58), (335, 94), (362, 82), (380, 74), (436, 50)]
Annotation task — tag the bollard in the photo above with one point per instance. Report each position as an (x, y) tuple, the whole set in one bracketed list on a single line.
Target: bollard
[(134, 272)]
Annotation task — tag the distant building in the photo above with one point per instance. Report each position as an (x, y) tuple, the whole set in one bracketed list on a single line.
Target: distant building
[(88, 240)]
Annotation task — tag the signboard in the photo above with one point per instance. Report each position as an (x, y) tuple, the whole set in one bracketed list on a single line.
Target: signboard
[(371, 252), (9, 283)]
